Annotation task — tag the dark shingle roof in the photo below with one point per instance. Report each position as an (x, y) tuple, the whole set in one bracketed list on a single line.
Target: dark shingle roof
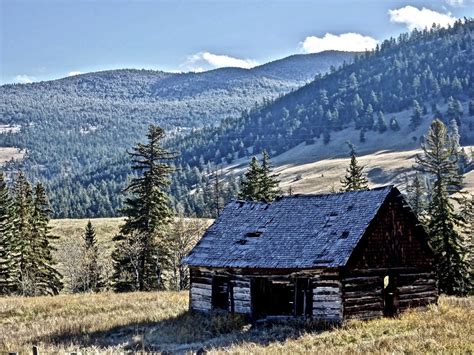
[(301, 231)]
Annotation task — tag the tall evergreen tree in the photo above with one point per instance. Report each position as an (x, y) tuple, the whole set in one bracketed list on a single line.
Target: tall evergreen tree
[(23, 203), (250, 184), (7, 245), (416, 196), (47, 280), (467, 214), (354, 179), (269, 181), (416, 116), (141, 251), (92, 279), (443, 223)]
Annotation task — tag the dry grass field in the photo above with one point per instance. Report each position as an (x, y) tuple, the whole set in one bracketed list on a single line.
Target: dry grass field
[(159, 321)]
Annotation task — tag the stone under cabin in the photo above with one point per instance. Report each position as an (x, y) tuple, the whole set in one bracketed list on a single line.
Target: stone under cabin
[(332, 257)]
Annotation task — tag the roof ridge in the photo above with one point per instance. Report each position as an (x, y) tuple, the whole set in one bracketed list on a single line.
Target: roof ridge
[(388, 187)]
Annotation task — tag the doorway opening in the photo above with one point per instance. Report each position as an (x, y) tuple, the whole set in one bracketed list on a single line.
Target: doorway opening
[(221, 293), (389, 296)]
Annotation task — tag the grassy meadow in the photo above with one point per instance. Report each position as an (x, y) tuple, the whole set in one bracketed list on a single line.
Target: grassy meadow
[(160, 321)]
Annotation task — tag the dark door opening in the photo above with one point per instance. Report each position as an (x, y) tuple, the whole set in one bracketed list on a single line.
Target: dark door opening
[(272, 298), (389, 296), (303, 297), (221, 293)]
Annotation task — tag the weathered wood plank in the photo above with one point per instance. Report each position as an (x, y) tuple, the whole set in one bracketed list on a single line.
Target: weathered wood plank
[(415, 289), (364, 279), (362, 300), (326, 290), (195, 304), (419, 295), (371, 293), (201, 286), (200, 291), (202, 280), (363, 307)]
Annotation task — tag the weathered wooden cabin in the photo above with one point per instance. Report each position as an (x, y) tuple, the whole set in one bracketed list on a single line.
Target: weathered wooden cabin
[(332, 257)]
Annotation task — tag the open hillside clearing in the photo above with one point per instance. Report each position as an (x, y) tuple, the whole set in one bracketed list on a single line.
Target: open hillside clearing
[(160, 321)]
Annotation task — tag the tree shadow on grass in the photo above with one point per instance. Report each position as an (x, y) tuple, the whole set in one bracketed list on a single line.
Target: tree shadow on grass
[(188, 331)]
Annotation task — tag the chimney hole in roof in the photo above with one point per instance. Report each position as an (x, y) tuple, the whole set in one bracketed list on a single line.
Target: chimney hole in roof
[(333, 214), (255, 234), (345, 234), (350, 207)]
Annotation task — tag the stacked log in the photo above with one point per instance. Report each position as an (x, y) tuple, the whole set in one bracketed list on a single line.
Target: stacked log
[(327, 298), (200, 293), (362, 297), (241, 296), (416, 290)]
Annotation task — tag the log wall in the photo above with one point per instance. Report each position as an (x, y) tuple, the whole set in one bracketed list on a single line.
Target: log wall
[(241, 296), (416, 290), (362, 296), (200, 292), (327, 298)]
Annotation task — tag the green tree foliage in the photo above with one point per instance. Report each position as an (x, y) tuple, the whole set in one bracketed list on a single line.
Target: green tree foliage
[(394, 125), (354, 179), (259, 182), (7, 247), (47, 278), (416, 117), (443, 222), (250, 184), (269, 182), (141, 253), (416, 196), (91, 278)]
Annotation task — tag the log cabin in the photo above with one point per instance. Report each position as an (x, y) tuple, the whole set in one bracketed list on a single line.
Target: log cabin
[(360, 254)]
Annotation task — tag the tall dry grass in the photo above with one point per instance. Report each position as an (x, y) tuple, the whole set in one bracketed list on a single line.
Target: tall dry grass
[(159, 321)]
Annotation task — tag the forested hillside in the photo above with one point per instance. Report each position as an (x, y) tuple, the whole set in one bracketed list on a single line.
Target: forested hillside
[(75, 130), (420, 71), (398, 88)]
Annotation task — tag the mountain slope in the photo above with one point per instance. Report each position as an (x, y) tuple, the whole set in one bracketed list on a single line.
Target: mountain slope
[(430, 67), (172, 99), (76, 129)]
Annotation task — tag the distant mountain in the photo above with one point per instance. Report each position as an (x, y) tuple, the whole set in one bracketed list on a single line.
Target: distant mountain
[(82, 124), (431, 67), (171, 99)]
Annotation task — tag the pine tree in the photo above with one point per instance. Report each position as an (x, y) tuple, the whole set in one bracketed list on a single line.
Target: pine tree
[(217, 192), (354, 179), (250, 184), (381, 124), (416, 196), (269, 181), (394, 126), (47, 279), (91, 278), (7, 246), (443, 222), (23, 205), (141, 252), (467, 214), (416, 116)]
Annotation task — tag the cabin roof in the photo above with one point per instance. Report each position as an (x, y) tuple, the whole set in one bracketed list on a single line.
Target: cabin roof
[(292, 232)]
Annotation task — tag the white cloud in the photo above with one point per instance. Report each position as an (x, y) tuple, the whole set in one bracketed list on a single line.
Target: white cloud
[(24, 79), (416, 18), (74, 73), (455, 3), (204, 60), (351, 42)]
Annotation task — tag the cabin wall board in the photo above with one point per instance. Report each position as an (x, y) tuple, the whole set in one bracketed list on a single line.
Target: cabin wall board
[(327, 298)]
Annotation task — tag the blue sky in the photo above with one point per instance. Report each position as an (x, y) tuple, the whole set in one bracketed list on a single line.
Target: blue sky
[(42, 40)]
